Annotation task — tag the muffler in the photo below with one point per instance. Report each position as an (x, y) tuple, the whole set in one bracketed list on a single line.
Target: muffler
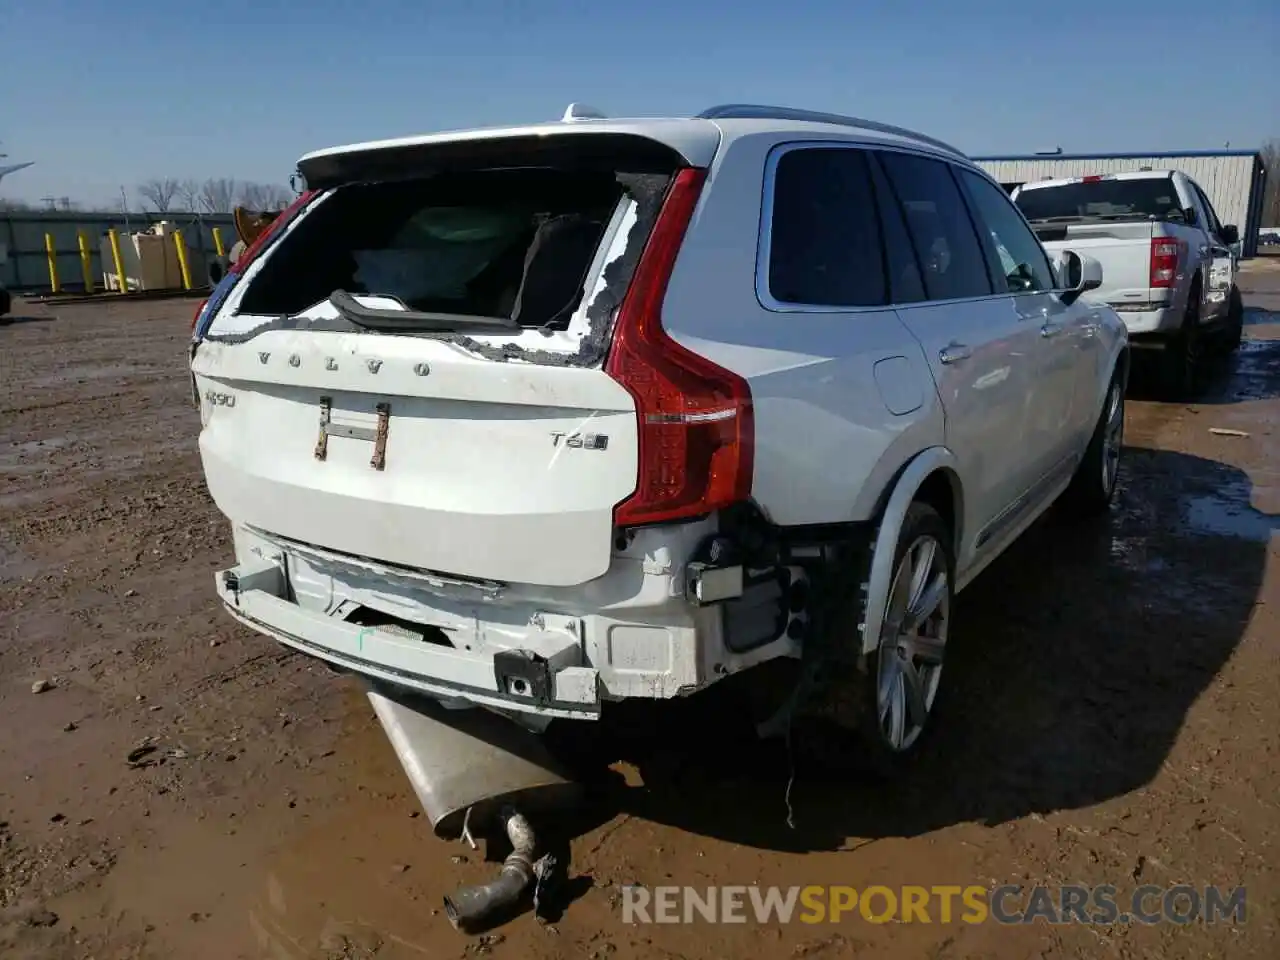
[(467, 765)]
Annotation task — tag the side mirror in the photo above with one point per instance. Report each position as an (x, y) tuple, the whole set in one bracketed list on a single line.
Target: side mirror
[(1230, 234), (1080, 274)]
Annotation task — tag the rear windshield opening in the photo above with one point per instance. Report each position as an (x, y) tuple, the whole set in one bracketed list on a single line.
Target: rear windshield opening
[(512, 244), (1146, 198)]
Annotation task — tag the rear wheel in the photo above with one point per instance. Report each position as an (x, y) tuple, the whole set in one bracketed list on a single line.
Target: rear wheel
[(882, 704), (1184, 353), (6, 302), (1094, 484)]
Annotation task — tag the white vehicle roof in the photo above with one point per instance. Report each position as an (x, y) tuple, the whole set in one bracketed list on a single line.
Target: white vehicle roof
[(696, 139), (1132, 175)]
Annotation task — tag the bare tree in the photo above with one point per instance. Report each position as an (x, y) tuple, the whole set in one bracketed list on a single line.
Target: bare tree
[(263, 196), (189, 195), (159, 193), (1271, 199), (278, 196), (218, 195)]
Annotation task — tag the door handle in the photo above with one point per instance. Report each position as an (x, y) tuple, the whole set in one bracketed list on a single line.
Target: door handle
[(1050, 330), (954, 353)]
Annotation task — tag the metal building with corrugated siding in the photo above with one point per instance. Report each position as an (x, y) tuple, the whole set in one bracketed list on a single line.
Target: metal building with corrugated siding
[(1235, 180)]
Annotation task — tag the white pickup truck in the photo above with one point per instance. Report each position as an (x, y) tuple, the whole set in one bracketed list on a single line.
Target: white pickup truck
[(1168, 266)]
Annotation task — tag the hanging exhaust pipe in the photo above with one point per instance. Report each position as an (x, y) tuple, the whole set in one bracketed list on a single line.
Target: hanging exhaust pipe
[(474, 771), (472, 908), (468, 765)]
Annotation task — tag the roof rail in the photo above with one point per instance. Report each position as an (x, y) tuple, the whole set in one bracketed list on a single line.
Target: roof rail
[(580, 111), (756, 111)]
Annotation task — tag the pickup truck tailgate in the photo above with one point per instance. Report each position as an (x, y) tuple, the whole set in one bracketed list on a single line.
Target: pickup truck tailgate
[(1123, 250)]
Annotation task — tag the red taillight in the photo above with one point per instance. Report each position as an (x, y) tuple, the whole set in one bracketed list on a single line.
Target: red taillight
[(265, 236), (1092, 178), (199, 310), (1164, 261), (695, 418)]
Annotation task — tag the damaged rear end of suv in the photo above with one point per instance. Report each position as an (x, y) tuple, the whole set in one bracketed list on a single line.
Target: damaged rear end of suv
[(459, 454)]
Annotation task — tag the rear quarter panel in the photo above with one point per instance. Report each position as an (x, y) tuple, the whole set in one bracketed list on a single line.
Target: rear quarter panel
[(842, 400)]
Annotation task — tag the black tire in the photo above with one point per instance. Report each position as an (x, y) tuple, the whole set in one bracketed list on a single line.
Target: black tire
[(6, 302), (1234, 334), (1093, 487), (842, 729), (1183, 358)]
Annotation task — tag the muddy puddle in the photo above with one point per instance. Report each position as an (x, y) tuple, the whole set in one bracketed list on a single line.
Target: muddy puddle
[(16, 565)]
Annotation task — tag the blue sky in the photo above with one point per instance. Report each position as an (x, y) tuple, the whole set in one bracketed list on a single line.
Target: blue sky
[(102, 94)]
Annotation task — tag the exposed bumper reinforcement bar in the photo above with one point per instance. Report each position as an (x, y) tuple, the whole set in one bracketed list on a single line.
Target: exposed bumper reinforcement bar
[(251, 594)]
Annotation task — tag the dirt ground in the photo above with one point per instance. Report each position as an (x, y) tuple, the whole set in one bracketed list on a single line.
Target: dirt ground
[(186, 789)]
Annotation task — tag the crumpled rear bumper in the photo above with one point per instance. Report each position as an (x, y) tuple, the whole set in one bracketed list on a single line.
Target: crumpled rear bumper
[(254, 593)]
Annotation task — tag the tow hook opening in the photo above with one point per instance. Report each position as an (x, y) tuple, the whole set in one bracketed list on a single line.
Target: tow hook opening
[(716, 572)]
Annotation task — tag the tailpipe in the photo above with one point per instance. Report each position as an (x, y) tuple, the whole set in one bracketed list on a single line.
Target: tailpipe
[(473, 907)]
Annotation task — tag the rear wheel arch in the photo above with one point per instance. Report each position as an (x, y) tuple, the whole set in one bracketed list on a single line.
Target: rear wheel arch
[(930, 477), (1119, 370), (941, 490)]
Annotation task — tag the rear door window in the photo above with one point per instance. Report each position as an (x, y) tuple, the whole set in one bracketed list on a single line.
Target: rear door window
[(905, 282), (509, 244), (942, 233), (824, 237), (1215, 225)]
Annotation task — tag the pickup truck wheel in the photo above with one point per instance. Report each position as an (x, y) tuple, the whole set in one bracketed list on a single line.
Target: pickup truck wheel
[(876, 711), (1234, 334), (1184, 353), (6, 302), (1094, 484)]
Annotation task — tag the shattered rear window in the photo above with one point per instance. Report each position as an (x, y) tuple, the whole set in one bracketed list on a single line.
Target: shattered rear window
[(515, 244)]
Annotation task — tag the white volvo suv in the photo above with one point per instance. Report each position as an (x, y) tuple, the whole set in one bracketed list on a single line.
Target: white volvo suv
[(541, 418)]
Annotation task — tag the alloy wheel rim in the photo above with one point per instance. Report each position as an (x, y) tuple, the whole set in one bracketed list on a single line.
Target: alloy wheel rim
[(912, 643), (1112, 439)]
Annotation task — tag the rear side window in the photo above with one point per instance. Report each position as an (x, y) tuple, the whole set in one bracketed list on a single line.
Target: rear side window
[(824, 240), (946, 245), (1142, 198), (514, 244)]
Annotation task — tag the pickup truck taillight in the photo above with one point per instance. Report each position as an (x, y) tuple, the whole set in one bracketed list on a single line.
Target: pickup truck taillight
[(696, 426), (1164, 261)]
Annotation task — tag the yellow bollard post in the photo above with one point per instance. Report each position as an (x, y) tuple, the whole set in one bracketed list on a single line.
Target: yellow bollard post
[(119, 260), (86, 261), (182, 259), (52, 252), (217, 242)]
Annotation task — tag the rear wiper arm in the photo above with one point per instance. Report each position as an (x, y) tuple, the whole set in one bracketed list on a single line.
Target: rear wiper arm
[(406, 320)]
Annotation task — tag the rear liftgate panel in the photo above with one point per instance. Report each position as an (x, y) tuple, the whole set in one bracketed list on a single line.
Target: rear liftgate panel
[(497, 455)]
